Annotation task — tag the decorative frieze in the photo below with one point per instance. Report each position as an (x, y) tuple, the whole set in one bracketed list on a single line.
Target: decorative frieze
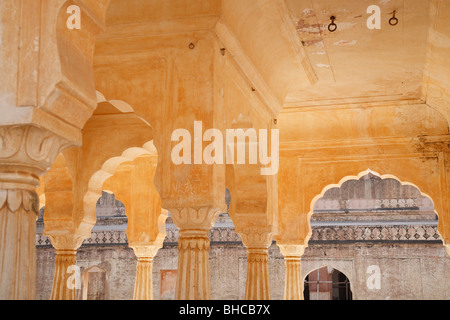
[(376, 233), (117, 236)]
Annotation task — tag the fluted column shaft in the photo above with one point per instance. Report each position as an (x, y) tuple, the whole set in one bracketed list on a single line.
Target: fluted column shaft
[(193, 266), (18, 213), (257, 286), (143, 288), (193, 251), (257, 240), (293, 289), (61, 289), (293, 282)]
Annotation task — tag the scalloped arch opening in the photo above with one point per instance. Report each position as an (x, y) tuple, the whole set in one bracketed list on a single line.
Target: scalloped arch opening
[(97, 180), (358, 177)]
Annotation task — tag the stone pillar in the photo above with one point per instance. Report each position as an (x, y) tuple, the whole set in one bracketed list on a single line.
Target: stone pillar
[(193, 251), (26, 152), (293, 289), (258, 282), (65, 263), (143, 288), (61, 290)]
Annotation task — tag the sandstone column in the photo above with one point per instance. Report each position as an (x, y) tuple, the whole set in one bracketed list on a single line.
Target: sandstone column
[(143, 288), (258, 284), (61, 290), (193, 251), (65, 263), (26, 152), (293, 289)]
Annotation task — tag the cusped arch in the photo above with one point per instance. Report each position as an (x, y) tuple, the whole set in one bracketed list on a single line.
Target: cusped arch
[(358, 177), (97, 180)]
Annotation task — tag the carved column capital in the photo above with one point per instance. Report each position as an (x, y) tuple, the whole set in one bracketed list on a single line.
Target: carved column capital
[(292, 251), (202, 219), (146, 251), (66, 242), (30, 149), (256, 238)]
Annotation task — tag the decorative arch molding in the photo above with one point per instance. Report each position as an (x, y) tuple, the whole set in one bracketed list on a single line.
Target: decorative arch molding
[(97, 180), (358, 177)]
